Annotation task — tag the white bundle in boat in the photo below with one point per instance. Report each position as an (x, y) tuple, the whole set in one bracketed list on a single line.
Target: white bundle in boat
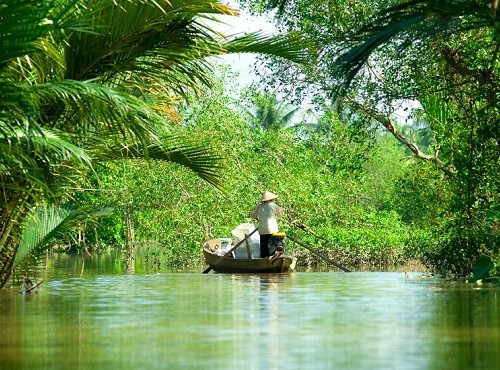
[(239, 233)]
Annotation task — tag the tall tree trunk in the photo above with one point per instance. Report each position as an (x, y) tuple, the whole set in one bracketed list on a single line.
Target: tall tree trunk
[(129, 221), (12, 216)]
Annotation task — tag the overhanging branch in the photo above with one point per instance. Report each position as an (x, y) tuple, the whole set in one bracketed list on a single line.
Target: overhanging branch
[(386, 122)]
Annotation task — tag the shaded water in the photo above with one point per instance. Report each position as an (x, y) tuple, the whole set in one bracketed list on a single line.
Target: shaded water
[(302, 320)]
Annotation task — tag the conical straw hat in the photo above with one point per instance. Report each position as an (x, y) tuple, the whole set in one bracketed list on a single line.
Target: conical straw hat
[(267, 196)]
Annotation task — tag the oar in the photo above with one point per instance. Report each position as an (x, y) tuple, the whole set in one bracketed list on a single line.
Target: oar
[(229, 251), (303, 227), (319, 254)]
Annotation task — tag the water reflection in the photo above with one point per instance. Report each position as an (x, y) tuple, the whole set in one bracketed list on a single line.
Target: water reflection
[(468, 326), (267, 323), (288, 321)]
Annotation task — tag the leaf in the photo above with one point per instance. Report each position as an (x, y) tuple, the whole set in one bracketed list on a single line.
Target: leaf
[(49, 222), (411, 22), (174, 149), (494, 214), (481, 269)]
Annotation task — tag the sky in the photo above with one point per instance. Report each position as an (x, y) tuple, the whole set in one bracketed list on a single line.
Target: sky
[(242, 63), (233, 25)]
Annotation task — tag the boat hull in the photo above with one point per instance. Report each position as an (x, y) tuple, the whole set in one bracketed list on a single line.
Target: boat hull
[(249, 265)]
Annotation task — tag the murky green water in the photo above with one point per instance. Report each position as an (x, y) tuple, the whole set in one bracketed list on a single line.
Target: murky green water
[(303, 320)]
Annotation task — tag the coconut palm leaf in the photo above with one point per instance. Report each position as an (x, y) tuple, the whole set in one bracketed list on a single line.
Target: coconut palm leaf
[(49, 222), (416, 20), (21, 25), (34, 154), (174, 149), (291, 46), (26, 21), (39, 156), (144, 37), (91, 105), (268, 113), (165, 45)]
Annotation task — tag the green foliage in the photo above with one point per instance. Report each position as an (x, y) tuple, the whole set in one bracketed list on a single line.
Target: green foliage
[(494, 215), (441, 57), (386, 168), (365, 238), (422, 196), (331, 185), (85, 82), (269, 114), (455, 245), (411, 22), (49, 223), (481, 269)]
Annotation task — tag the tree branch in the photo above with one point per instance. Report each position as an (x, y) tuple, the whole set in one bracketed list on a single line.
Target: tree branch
[(414, 148)]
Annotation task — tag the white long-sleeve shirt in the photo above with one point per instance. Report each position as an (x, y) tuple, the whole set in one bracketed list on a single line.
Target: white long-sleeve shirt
[(267, 214)]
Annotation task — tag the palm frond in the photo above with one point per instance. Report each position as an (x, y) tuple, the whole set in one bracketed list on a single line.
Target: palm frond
[(167, 44), (436, 111), (269, 113), (290, 46), (174, 149), (72, 106), (23, 22), (36, 156), (412, 21), (49, 222), (84, 105), (99, 112), (26, 21), (289, 116), (139, 36)]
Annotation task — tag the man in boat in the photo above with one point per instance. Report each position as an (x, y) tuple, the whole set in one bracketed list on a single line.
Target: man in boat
[(267, 212)]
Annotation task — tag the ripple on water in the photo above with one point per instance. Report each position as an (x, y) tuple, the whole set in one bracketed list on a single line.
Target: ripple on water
[(304, 320)]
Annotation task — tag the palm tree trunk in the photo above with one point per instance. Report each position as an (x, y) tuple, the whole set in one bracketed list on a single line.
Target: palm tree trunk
[(16, 207)]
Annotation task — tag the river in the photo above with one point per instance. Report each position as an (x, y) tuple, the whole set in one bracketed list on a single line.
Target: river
[(301, 320)]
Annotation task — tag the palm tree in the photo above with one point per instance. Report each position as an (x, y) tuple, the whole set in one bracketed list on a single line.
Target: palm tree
[(269, 114), (85, 81)]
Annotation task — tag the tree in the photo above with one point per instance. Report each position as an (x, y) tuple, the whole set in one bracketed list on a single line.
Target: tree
[(82, 82), (466, 39), (441, 54), (269, 114), (319, 178)]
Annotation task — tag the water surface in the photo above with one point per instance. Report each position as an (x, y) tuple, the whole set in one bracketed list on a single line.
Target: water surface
[(302, 320)]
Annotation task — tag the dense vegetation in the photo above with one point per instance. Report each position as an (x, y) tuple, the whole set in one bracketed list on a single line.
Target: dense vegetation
[(440, 56), (340, 186), (86, 82), (370, 189)]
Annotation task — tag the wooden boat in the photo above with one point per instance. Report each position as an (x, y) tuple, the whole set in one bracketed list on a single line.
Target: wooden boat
[(279, 262)]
